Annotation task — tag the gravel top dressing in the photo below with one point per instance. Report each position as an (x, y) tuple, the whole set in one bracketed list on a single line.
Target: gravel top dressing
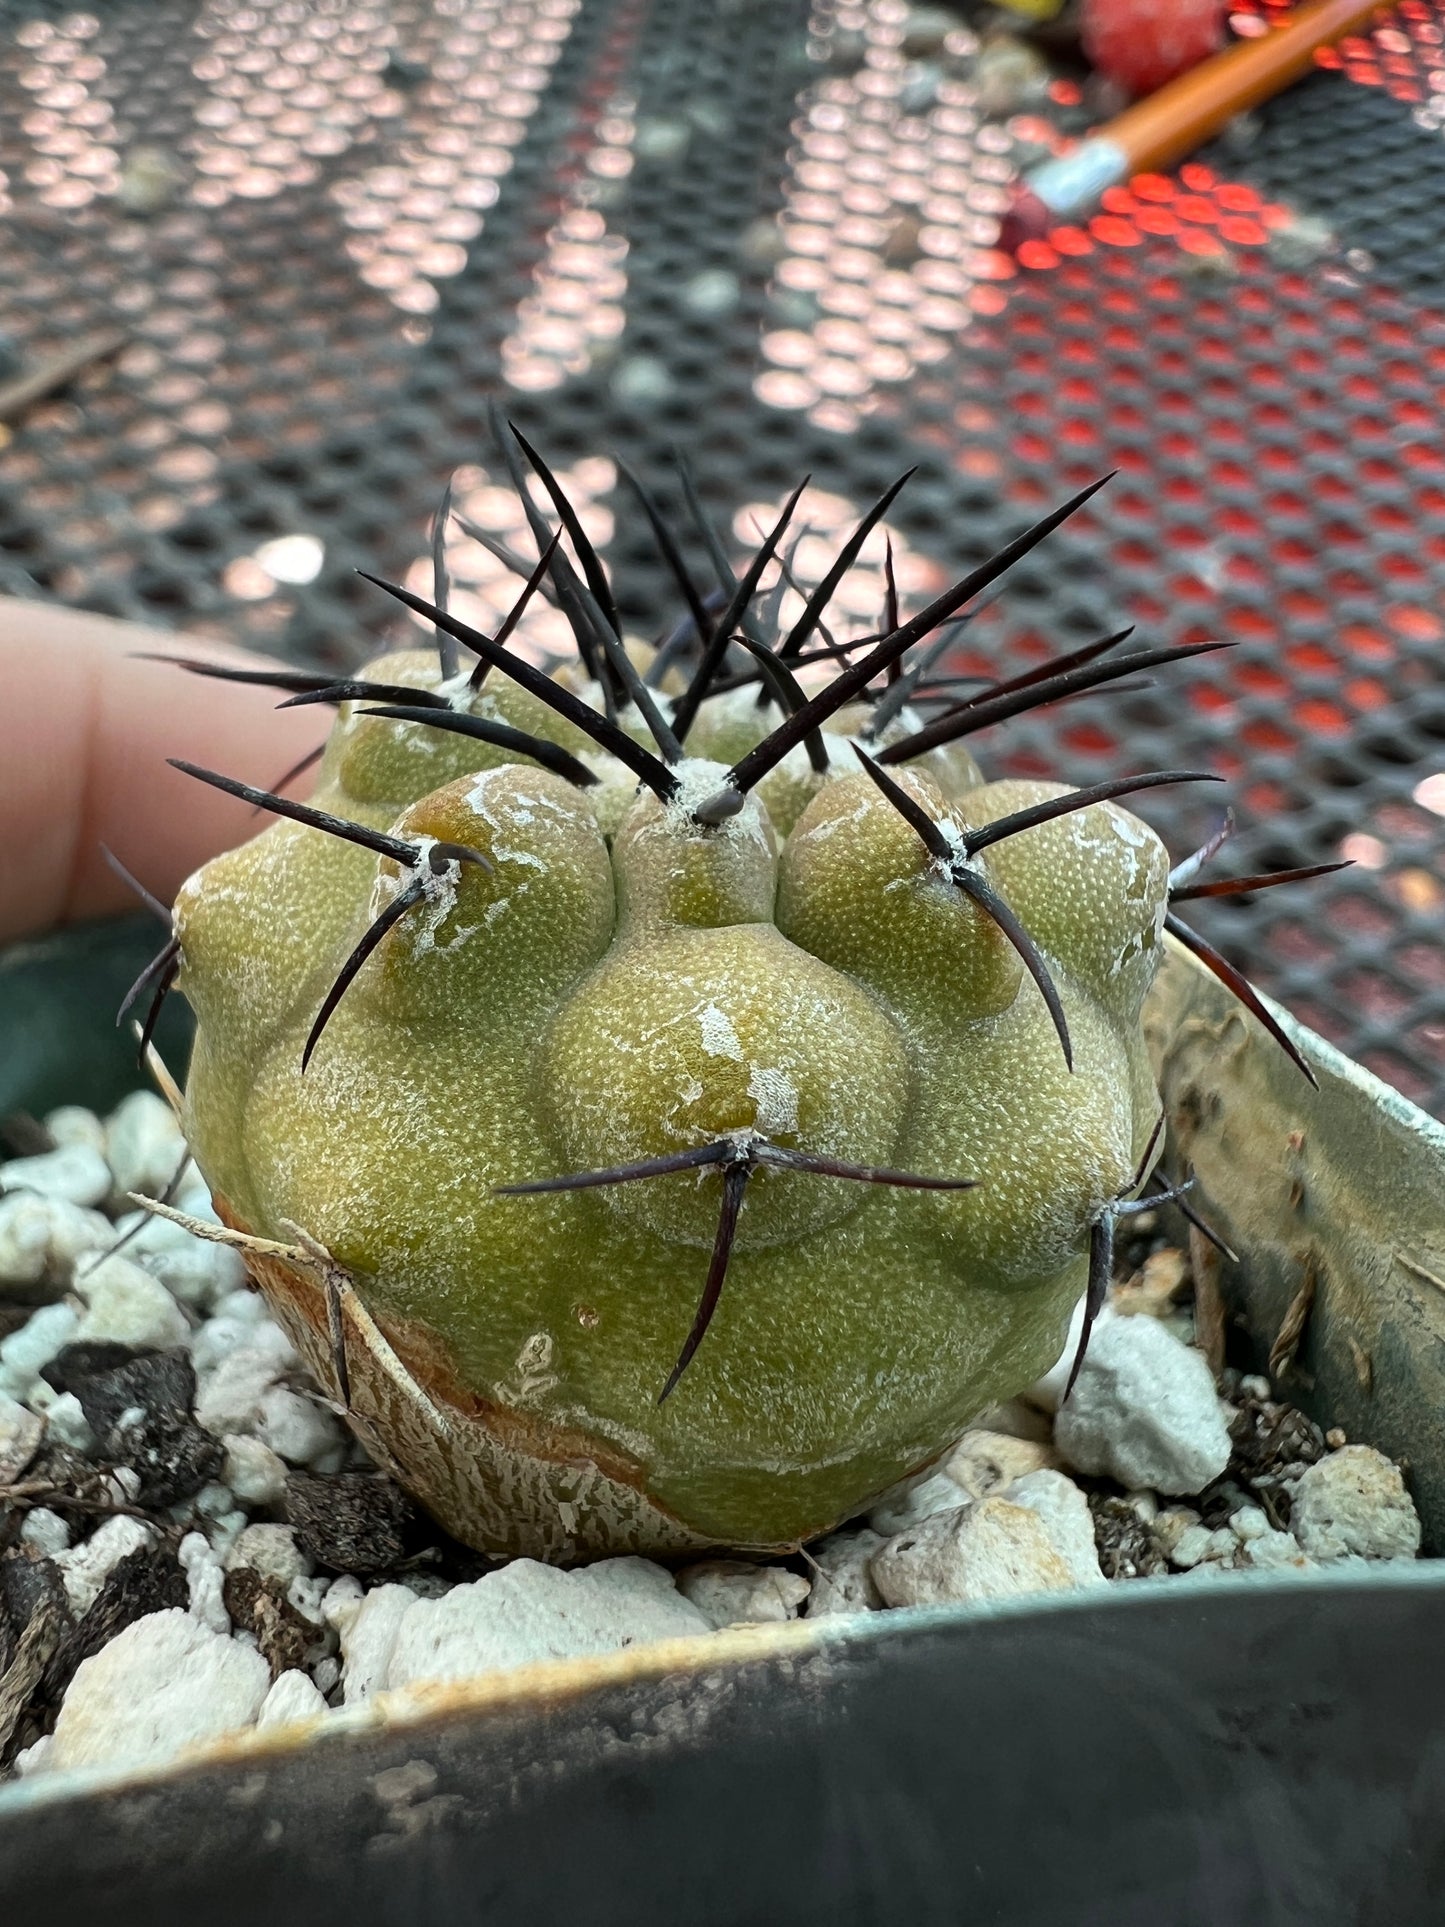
[(192, 1544)]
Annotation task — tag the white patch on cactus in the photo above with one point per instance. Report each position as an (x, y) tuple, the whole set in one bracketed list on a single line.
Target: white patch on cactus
[(776, 1096), (719, 1039)]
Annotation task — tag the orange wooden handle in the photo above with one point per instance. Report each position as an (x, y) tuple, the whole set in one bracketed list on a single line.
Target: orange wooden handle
[(1165, 126)]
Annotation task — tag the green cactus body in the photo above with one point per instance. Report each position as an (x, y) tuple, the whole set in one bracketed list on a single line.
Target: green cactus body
[(620, 983)]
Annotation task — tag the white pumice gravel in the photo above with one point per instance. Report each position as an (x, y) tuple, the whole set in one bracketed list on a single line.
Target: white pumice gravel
[(843, 1579), (527, 1612), (143, 1145), (1022, 1505), (127, 1306), (734, 1592), (164, 1684), (914, 1501), (85, 1567), (990, 1549), (1063, 1512), (43, 1239), (294, 1696), (1143, 1410), (72, 1174), (1355, 1501)]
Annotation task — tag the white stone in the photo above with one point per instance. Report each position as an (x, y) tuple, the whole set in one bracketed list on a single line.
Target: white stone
[(239, 1323), (164, 1684), (252, 1470), (31, 1346), (191, 1269), (844, 1581), (127, 1306), (299, 1430), (326, 1673), (307, 1593), (270, 1550), (733, 1592), (21, 1431), (526, 1612), (44, 1238), (368, 1638), (293, 1697), (341, 1601), (34, 1759), (229, 1395), (1170, 1524), (206, 1578), (194, 1198), (1354, 1501), (1270, 1551), (988, 1550), (45, 1531), (914, 1500), (143, 1144), (1063, 1511), (984, 1463), (74, 1173), (1250, 1522), (86, 1567), (1144, 1410), (1191, 1547), (73, 1124), (65, 1421)]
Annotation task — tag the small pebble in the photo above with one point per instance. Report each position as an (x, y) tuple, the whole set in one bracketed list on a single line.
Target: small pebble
[(65, 1422), (143, 1144), (1354, 1501), (163, 1685), (368, 1637), (28, 1350), (292, 1697), (73, 1124), (1190, 1546), (732, 1592), (844, 1580), (45, 1531), (43, 1239), (86, 1567), (72, 1174), (987, 1462), (206, 1577), (915, 1499), (196, 1272), (988, 1550), (253, 1471), (21, 1431), (527, 1611), (271, 1550), (1144, 1410), (127, 1306), (1063, 1511)]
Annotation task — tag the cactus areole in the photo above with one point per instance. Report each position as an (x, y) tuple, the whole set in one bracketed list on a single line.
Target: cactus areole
[(704, 1090)]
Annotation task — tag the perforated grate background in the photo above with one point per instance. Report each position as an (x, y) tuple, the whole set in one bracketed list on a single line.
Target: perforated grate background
[(335, 230)]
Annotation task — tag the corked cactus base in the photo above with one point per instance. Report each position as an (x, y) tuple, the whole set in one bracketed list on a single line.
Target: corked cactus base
[(498, 1480)]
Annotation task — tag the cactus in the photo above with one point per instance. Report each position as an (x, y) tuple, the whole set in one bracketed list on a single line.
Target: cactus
[(699, 1095)]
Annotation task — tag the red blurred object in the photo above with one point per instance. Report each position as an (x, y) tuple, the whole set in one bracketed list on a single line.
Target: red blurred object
[(1142, 44)]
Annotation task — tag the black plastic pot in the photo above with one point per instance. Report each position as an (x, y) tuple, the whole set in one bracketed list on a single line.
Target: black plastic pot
[(1246, 1751), (1233, 1754)]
